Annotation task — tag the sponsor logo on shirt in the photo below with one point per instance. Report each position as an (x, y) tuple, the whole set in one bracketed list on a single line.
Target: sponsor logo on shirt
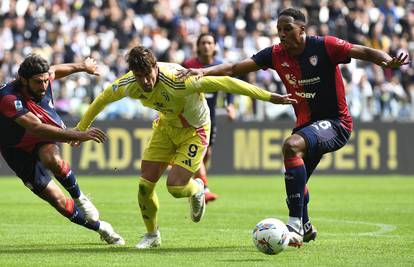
[(115, 87), (51, 104), (18, 105), (306, 95), (309, 81), (2, 86)]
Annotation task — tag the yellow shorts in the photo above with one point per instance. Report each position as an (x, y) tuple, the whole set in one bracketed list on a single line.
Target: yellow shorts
[(185, 147)]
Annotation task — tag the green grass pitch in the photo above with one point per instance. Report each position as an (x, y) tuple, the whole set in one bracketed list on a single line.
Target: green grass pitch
[(362, 221)]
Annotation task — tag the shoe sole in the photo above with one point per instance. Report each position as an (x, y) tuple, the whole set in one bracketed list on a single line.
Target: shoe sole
[(198, 218)]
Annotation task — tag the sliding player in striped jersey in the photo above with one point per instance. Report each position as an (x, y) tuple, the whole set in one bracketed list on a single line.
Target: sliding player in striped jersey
[(180, 134)]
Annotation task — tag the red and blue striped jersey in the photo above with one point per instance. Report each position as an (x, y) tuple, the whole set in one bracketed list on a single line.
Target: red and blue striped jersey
[(13, 104), (313, 78)]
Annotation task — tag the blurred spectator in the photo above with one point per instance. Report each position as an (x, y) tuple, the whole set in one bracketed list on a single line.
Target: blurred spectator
[(69, 31)]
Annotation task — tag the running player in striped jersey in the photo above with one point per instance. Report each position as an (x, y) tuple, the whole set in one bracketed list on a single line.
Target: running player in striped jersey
[(180, 134), (308, 67)]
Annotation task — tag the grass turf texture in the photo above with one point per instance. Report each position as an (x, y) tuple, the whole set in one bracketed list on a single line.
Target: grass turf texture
[(361, 221)]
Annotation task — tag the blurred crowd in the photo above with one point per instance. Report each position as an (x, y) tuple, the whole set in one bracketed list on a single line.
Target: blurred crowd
[(71, 30)]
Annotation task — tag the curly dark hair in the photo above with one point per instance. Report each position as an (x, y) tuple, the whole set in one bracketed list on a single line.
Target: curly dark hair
[(141, 59), (296, 14), (32, 65)]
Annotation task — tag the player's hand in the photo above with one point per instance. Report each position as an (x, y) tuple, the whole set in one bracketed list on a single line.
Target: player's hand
[(94, 134), (396, 62), (282, 99), (231, 112), (91, 66), (185, 73)]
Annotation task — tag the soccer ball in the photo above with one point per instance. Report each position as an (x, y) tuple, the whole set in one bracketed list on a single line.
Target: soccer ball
[(270, 236)]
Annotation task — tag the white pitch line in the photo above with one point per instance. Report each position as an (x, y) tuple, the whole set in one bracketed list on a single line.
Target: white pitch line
[(383, 231)]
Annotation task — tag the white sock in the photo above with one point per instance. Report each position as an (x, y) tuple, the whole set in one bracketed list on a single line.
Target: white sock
[(296, 223)]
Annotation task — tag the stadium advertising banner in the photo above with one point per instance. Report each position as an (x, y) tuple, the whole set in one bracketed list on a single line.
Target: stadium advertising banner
[(248, 148)]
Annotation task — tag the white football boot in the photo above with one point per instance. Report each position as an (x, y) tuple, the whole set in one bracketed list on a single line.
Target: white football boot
[(108, 234), (150, 240), (87, 207), (295, 237), (198, 202)]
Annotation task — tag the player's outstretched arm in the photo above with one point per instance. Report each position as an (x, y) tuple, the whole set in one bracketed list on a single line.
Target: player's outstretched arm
[(62, 70), (226, 69), (32, 124), (236, 86), (378, 57)]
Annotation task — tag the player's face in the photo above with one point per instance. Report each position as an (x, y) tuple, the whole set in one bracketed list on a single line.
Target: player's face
[(206, 46), (147, 80), (291, 32), (37, 85)]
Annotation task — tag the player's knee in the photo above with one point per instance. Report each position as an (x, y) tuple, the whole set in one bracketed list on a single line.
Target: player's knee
[(291, 147), (176, 191), (59, 167), (145, 188)]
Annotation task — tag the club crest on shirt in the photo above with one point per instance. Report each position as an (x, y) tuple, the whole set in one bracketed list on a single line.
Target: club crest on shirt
[(18, 105), (313, 60)]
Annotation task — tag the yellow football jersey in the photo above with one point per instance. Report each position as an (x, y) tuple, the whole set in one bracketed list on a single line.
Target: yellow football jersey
[(179, 103)]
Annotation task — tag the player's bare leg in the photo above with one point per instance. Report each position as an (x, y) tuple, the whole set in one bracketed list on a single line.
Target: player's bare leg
[(49, 155)]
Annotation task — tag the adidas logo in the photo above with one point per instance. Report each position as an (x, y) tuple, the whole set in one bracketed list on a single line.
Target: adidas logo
[(187, 162)]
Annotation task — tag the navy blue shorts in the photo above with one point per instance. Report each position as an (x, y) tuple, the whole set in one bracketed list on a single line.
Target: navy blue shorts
[(322, 137), (27, 167), (213, 133)]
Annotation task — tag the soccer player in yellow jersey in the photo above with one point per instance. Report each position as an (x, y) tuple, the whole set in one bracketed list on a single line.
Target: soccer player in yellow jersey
[(180, 134)]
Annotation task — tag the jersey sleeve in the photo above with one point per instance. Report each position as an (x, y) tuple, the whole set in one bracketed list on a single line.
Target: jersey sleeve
[(210, 84), (112, 93), (264, 58), (12, 106), (337, 49)]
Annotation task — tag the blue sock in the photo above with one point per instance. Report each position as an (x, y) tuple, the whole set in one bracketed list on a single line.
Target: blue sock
[(69, 183), (76, 216), (295, 181)]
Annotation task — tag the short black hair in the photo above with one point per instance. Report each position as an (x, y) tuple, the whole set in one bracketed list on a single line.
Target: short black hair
[(32, 65), (296, 14), (141, 59)]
